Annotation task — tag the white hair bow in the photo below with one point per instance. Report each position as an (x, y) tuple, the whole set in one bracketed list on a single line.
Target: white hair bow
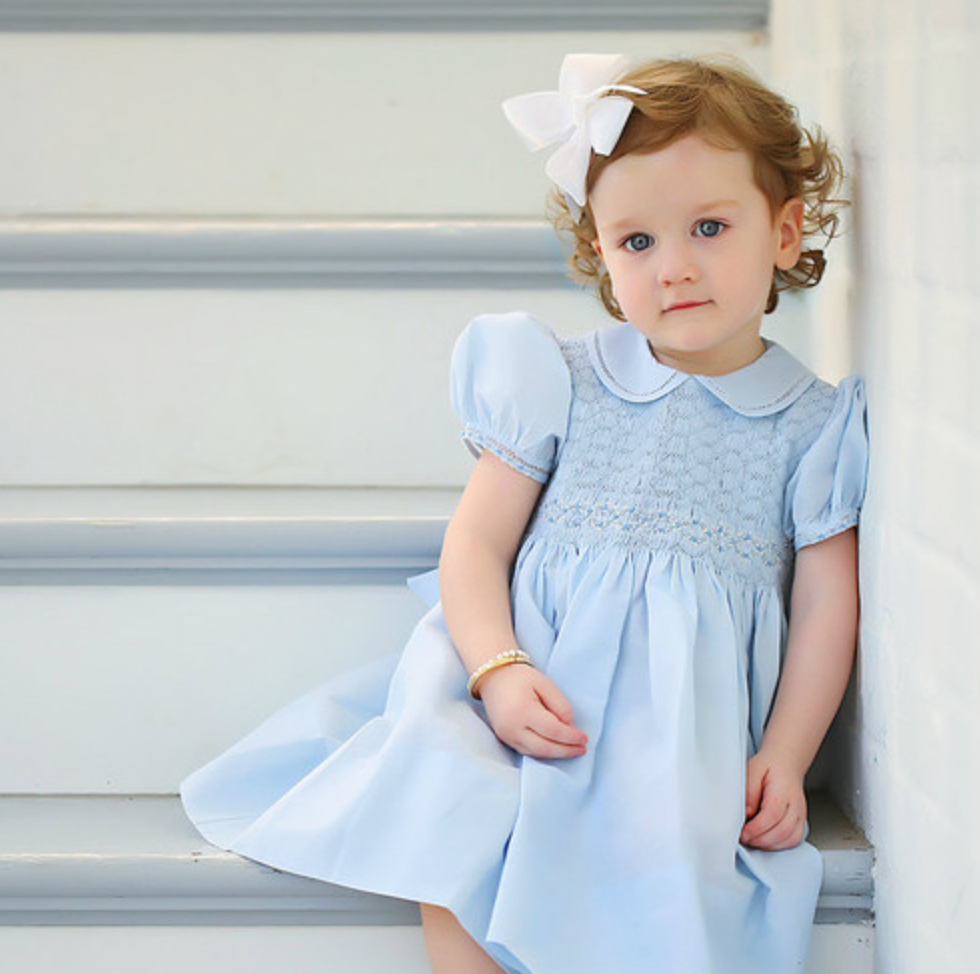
[(577, 115)]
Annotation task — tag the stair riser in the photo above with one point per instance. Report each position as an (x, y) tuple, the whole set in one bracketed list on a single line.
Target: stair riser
[(127, 689), (304, 950)]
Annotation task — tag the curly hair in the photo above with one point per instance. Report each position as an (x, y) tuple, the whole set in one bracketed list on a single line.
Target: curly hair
[(729, 108)]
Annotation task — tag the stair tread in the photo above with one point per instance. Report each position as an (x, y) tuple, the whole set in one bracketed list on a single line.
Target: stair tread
[(65, 858)]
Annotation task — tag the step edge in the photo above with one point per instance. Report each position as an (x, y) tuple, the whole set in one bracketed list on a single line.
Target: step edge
[(192, 883)]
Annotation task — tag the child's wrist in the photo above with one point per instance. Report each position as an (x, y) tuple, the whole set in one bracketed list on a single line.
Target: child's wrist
[(774, 752), (509, 657)]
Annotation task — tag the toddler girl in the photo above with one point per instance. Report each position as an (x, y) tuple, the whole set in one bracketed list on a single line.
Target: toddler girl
[(589, 758)]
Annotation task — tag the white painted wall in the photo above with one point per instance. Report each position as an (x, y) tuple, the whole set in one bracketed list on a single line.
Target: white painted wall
[(896, 84)]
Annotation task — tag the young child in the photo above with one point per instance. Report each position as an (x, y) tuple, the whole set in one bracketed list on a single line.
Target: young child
[(590, 756)]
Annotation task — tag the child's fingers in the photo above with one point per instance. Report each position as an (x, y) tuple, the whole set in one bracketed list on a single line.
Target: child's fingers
[(785, 834), (759, 828), (529, 714), (547, 726), (767, 818), (527, 741), (535, 746), (779, 823), (754, 777), (545, 736), (554, 700)]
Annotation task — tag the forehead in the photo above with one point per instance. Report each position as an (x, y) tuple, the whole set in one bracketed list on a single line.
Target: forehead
[(688, 171)]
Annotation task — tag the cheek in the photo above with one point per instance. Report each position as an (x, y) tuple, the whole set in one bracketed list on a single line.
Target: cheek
[(624, 284), (753, 271), (616, 277)]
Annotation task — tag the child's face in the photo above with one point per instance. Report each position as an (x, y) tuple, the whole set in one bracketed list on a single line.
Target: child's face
[(690, 244)]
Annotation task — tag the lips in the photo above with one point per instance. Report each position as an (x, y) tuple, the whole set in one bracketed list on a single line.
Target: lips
[(685, 305)]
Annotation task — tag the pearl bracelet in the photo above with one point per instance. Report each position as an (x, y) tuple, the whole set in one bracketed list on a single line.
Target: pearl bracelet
[(507, 658)]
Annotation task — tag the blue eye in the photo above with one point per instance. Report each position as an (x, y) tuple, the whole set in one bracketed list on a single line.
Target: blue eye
[(709, 228), (638, 242)]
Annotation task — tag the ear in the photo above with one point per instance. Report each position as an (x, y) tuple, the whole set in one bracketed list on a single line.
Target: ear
[(789, 226), (597, 247)]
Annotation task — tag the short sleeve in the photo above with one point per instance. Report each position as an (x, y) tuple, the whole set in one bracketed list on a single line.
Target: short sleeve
[(825, 493), (512, 391)]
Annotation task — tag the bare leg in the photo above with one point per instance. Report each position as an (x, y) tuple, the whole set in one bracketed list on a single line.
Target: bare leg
[(451, 949)]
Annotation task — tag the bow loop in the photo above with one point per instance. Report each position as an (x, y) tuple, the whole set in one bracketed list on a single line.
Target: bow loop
[(606, 121), (584, 74), (540, 118), (581, 116)]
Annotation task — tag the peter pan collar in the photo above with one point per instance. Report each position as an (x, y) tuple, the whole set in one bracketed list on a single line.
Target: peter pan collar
[(624, 364)]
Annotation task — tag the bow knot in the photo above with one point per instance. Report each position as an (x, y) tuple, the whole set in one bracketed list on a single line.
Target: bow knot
[(581, 116)]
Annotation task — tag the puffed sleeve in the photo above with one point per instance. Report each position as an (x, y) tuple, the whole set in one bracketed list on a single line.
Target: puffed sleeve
[(825, 493), (511, 388)]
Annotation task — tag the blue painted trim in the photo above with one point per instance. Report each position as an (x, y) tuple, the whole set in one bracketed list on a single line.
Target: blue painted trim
[(198, 535), (146, 251), (381, 15)]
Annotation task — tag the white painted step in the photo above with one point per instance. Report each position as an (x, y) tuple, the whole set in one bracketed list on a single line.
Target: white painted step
[(298, 950), (144, 631), (214, 950), (259, 388), (107, 876)]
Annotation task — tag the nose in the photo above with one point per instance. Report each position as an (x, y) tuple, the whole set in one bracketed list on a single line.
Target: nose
[(676, 265)]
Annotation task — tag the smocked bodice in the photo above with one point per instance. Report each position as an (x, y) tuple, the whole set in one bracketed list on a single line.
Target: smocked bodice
[(683, 473)]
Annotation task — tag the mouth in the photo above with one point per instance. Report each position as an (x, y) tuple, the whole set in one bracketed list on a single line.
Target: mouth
[(685, 306)]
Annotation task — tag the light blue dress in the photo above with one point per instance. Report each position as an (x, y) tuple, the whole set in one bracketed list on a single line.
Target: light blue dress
[(651, 586)]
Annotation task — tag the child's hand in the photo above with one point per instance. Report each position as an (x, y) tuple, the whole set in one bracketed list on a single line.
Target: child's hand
[(528, 713), (775, 804)]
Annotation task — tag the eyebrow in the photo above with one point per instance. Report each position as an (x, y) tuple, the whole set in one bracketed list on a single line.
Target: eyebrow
[(717, 204)]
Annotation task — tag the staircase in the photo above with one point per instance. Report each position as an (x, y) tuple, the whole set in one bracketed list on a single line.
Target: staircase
[(228, 440), (147, 629)]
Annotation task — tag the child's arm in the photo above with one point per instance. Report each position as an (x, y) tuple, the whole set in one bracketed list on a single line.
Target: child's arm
[(819, 656), (524, 707)]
